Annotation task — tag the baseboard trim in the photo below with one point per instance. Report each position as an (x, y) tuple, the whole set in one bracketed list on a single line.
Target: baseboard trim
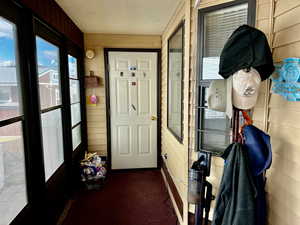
[(173, 189)]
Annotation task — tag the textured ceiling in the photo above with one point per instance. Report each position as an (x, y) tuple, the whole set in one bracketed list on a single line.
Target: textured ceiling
[(120, 16)]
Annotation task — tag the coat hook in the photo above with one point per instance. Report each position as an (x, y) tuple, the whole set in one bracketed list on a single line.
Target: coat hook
[(121, 74), (144, 74), (133, 74)]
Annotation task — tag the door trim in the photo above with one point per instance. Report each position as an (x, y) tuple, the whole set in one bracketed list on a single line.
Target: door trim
[(107, 98)]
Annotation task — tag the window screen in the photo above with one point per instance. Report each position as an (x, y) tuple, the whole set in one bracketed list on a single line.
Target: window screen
[(213, 127)]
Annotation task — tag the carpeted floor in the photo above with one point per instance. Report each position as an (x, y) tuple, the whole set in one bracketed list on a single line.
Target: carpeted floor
[(128, 198)]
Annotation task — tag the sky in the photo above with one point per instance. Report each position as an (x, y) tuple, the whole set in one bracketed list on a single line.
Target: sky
[(47, 53)]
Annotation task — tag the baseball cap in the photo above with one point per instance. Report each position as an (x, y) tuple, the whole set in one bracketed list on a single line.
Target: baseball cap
[(239, 90), (245, 88), (219, 96)]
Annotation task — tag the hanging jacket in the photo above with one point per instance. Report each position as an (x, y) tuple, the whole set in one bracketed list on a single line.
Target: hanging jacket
[(246, 47), (235, 203), (258, 146)]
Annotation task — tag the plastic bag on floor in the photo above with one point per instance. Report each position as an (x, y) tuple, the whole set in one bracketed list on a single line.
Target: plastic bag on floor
[(92, 167)]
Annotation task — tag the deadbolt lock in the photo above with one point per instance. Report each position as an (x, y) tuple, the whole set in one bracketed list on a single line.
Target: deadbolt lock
[(153, 118)]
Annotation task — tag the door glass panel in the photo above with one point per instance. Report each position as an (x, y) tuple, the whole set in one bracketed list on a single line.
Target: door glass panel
[(75, 113), (52, 141), (74, 91), (13, 197), (72, 63), (48, 73), (9, 75), (76, 136)]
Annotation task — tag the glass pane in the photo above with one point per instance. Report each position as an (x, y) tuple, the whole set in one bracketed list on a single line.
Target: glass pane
[(219, 25), (76, 136), (48, 72), (74, 91), (9, 73), (72, 62), (52, 141), (214, 142), (75, 113), (13, 197), (214, 120), (175, 77)]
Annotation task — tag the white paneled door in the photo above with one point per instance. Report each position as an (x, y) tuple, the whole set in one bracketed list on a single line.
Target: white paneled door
[(133, 109)]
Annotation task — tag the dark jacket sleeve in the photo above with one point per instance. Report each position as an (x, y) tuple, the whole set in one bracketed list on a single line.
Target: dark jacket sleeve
[(236, 199)]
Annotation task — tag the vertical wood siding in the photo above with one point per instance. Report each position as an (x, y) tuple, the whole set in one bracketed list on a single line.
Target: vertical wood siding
[(282, 117)]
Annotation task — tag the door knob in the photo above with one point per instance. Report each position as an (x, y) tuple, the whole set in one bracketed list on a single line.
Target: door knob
[(153, 118)]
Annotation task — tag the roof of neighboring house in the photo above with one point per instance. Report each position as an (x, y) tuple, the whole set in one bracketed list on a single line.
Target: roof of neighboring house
[(10, 73)]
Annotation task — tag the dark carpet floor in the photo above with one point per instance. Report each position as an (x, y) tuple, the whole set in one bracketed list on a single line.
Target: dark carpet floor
[(127, 198)]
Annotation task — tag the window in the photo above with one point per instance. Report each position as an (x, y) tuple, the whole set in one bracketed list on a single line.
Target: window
[(75, 101), (50, 103), (216, 24), (175, 81), (13, 194)]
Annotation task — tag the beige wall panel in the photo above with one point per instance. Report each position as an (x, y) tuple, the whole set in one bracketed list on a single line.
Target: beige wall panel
[(258, 124), (260, 100), (278, 102), (285, 134), (287, 36), (263, 25), (263, 11), (291, 50), (122, 41), (286, 150), (258, 114), (208, 3), (283, 6), (285, 118), (287, 19)]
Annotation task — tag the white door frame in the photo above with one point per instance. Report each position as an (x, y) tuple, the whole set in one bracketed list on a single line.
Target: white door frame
[(107, 98)]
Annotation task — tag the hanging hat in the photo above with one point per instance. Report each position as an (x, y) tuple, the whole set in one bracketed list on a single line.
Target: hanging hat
[(245, 88), (259, 149), (247, 47), (219, 96)]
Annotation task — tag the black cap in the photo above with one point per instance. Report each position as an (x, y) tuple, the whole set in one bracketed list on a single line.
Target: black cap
[(247, 47)]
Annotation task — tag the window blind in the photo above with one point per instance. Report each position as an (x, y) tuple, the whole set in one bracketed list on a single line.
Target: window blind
[(219, 25)]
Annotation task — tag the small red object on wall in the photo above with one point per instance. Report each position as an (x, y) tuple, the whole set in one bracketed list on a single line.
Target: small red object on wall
[(92, 81)]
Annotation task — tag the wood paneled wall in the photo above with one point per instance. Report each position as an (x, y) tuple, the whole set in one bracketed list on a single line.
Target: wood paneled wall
[(177, 161), (53, 14), (96, 115), (279, 117)]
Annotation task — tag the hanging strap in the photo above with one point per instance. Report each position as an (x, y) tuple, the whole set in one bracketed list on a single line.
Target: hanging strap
[(248, 120)]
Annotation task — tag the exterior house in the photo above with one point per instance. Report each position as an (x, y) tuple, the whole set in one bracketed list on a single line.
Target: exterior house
[(9, 92)]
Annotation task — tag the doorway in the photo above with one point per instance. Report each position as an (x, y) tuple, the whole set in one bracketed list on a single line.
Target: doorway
[(133, 108)]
